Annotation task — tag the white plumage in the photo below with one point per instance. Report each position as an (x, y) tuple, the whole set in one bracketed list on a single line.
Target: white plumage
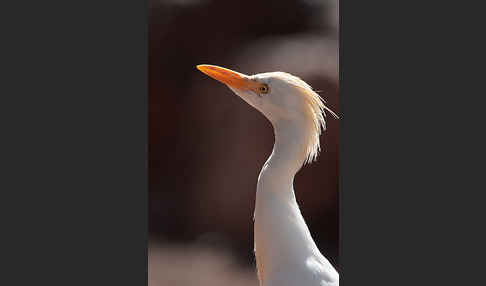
[(285, 252)]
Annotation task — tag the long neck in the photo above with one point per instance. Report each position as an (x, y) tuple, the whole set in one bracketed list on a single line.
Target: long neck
[(281, 235)]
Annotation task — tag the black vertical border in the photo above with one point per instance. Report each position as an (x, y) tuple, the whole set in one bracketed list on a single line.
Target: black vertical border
[(74, 133), (409, 207)]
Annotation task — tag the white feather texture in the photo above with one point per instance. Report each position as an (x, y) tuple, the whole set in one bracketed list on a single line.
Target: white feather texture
[(312, 106)]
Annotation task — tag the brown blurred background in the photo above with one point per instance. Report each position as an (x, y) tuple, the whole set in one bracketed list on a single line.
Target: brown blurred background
[(206, 146)]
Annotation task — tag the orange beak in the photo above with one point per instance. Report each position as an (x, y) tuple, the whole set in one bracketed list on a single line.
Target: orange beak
[(231, 78)]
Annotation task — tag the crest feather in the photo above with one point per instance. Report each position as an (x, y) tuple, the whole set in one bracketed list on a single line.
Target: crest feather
[(315, 109)]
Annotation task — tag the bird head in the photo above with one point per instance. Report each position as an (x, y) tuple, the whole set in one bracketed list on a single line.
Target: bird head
[(282, 98)]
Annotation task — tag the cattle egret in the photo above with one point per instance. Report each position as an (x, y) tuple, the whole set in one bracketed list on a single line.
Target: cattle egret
[(286, 254)]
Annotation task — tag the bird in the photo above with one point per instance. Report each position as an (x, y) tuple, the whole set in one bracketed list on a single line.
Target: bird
[(285, 252)]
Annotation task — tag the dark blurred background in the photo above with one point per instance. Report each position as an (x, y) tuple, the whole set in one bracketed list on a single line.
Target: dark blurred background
[(206, 146)]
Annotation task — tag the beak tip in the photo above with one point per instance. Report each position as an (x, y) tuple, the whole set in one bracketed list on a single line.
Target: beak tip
[(201, 67), (224, 75)]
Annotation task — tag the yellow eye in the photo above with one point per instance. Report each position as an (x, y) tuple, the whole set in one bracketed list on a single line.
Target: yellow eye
[(263, 89)]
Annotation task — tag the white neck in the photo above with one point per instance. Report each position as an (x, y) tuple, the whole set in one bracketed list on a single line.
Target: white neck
[(283, 242), (287, 157)]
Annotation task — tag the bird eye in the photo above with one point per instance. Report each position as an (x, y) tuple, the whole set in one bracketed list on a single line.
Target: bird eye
[(263, 89)]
